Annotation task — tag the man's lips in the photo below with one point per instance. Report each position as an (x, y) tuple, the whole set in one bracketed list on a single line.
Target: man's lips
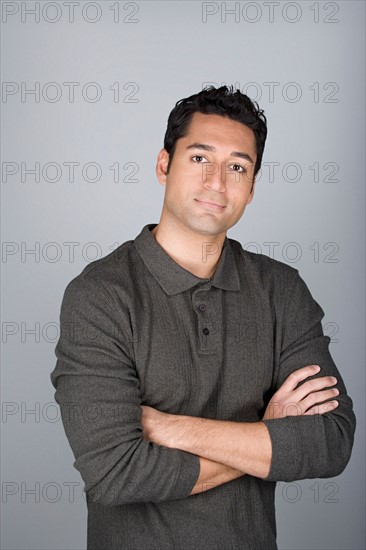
[(212, 205)]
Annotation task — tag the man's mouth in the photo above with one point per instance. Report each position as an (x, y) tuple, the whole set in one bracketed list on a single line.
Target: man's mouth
[(212, 205)]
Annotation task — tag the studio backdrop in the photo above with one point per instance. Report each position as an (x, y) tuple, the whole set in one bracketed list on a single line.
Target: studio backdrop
[(87, 88)]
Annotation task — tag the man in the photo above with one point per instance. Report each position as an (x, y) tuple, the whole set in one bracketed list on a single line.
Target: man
[(192, 374)]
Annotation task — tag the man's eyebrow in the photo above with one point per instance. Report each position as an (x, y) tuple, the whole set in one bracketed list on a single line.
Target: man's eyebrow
[(205, 147)]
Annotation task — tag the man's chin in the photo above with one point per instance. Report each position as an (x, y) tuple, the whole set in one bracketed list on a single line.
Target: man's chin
[(209, 229)]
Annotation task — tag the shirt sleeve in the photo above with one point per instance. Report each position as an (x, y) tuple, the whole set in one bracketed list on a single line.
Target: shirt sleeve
[(313, 446), (98, 390)]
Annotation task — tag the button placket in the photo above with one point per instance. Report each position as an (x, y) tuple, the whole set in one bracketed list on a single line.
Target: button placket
[(204, 299)]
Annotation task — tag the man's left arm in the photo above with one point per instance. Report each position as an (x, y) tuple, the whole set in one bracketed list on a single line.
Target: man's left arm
[(276, 449), (319, 445)]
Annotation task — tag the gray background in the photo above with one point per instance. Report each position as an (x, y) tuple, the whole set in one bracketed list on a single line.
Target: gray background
[(313, 54)]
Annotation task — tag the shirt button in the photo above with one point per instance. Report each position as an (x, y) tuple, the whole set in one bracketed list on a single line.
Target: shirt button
[(202, 307), (206, 331)]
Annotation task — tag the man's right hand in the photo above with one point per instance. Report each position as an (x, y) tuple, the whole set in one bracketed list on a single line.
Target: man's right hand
[(291, 400)]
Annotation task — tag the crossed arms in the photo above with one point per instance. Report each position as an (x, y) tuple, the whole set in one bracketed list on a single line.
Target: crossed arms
[(126, 453), (228, 450)]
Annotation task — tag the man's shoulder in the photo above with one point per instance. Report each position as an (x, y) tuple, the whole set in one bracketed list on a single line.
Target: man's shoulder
[(104, 275), (258, 265), (111, 264)]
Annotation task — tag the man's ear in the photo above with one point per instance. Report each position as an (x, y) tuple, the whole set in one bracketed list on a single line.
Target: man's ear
[(162, 166)]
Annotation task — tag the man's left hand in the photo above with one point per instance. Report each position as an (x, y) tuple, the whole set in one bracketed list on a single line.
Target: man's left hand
[(155, 425)]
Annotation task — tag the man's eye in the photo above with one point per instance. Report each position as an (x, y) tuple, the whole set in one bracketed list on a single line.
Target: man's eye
[(199, 157), (238, 168)]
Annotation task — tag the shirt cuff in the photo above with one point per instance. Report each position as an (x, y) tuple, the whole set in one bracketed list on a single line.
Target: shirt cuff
[(285, 448), (187, 477)]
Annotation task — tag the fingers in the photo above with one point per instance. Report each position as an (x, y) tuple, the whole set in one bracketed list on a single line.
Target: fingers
[(298, 376), (321, 409), (294, 400), (314, 385), (318, 397)]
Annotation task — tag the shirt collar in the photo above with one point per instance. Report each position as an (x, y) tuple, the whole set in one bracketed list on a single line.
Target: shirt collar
[(172, 277)]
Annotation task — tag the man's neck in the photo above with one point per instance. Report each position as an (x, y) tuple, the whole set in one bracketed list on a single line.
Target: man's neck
[(195, 252)]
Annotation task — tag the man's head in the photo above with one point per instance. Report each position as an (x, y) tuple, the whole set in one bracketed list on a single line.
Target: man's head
[(212, 151), (223, 101)]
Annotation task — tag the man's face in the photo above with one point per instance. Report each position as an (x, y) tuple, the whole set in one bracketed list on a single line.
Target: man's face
[(213, 163)]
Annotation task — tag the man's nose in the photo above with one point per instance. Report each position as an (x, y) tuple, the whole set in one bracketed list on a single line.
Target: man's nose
[(214, 176)]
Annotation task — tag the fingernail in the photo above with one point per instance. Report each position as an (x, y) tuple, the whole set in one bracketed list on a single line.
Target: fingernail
[(316, 368)]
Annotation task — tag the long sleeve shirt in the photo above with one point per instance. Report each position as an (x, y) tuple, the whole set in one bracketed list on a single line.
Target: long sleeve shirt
[(138, 329)]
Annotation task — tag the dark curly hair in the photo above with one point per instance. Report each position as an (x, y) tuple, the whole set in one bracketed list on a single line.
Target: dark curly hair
[(223, 101)]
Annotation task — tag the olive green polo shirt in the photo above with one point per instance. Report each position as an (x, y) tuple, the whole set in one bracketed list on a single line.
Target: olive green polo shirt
[(138, 329)]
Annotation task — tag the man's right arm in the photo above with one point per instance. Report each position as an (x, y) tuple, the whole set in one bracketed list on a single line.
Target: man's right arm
[(98, 390)]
